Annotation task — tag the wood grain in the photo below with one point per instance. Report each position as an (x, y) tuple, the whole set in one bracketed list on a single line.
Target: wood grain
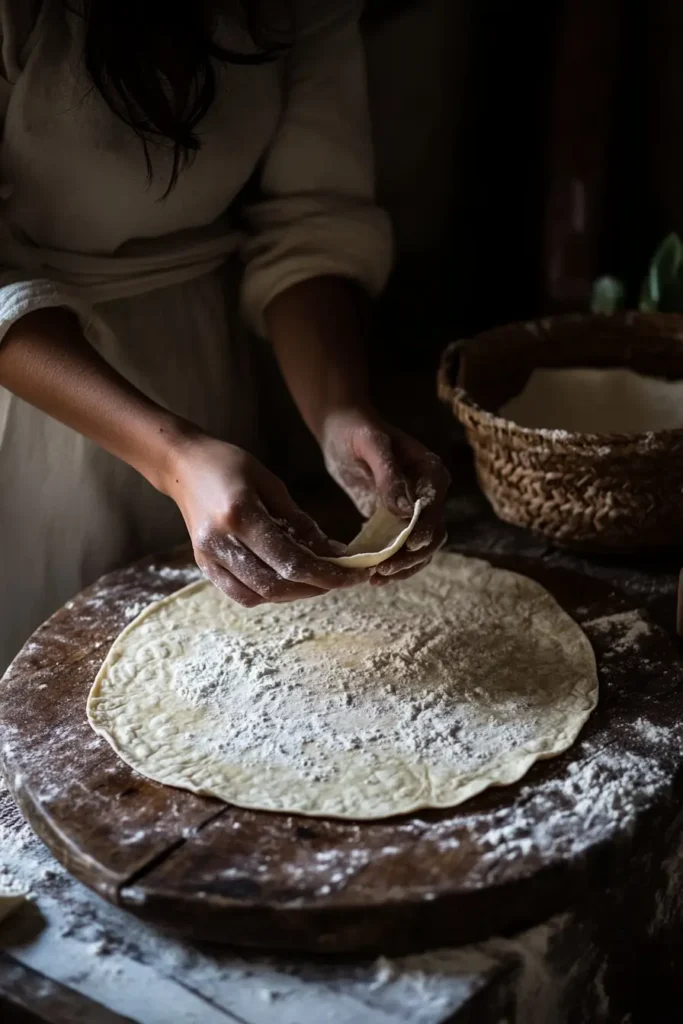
[(27, 997), (501, 862), (104, 822)]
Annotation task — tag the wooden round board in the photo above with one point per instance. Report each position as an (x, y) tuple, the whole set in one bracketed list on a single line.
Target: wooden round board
[(499, 863)]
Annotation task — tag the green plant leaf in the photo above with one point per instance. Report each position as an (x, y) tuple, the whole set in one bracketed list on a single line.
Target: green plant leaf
[(662, 289), (608, 295)]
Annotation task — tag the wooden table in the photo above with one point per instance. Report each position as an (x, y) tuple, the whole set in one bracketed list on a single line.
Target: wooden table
[(610, 953)]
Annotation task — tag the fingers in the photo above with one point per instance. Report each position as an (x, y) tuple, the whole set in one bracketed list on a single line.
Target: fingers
[(260, 578), (429, 525), (249, 582), (381, 581), (290, 560), (432, 486), (390, 480), (244, 576), (405, 560), (433, 481), (226, 582), (279, 560)]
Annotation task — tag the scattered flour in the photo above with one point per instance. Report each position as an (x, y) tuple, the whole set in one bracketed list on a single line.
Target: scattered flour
[(632, 626), (134, 609), (389, 700), (208, 673), (109, 955), (183, 574)]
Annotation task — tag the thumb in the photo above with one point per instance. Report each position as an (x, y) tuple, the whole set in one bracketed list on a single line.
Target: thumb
[(390, 481)]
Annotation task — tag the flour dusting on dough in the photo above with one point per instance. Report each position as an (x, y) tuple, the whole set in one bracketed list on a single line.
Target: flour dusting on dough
[(359, 704)]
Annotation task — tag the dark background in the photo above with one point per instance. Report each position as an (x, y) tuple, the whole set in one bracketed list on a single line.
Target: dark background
[(553, 133), (587, 91)]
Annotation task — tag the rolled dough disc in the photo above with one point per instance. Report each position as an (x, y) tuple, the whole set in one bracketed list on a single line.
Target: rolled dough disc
[(364, 703), (382, 536)]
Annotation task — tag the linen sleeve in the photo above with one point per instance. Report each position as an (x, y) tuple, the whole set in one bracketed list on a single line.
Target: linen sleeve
[(317, 214), (21, 291)]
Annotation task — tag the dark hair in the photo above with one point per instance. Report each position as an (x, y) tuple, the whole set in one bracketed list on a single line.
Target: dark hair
[(153, 62)]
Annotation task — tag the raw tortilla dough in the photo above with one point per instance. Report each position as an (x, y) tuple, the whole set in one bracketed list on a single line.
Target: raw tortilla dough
[(365, 703), (381, 537), (594, 401)]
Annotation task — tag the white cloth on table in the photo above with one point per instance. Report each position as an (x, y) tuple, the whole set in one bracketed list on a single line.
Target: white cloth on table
[(156, 281)]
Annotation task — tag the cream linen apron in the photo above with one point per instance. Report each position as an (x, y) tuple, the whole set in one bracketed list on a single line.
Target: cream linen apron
[(154, 276), (69, 511)]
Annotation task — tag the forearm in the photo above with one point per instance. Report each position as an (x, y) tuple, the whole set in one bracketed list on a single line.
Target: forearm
[(45, 360), (318, 330)]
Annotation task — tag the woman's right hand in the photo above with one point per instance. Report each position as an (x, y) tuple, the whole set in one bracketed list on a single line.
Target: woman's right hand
[(246, 529)]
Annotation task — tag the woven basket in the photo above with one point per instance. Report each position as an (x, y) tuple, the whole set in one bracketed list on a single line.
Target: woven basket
[(589, 491)]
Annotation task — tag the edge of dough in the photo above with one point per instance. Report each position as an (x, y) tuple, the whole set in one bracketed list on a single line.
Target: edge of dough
[(501, 772), (381, 537)]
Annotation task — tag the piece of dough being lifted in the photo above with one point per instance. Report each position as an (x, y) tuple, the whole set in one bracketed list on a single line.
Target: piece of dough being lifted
[(382, 536)]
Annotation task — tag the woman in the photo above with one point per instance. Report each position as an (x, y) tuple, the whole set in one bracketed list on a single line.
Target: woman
[(131, 128)]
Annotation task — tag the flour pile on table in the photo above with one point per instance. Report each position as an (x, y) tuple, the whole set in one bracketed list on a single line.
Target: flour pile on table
[(364, 703)]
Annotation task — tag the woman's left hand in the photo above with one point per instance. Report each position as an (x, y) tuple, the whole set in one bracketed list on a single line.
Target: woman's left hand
[(379, 465)]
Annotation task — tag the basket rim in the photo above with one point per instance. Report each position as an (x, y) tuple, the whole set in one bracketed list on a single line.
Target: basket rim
[(458, 396)]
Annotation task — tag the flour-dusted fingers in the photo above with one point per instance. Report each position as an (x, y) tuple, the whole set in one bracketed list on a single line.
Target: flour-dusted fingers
[(387, 471), (405, 559), (254, 574), (433, 481), (360, 454), (428, 529), (405, 574), (259, 532), (387, 468), (232, 503), (226, 582)]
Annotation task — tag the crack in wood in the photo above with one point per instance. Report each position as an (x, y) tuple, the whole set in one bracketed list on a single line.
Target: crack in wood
[(159, 858), (229, 1014)]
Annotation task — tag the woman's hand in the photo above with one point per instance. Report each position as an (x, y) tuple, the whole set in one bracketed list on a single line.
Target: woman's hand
[(377, 464), (317, 329), (246, 529)]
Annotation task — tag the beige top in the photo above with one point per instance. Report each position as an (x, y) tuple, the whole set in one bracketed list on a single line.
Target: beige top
[(76, 206), (80, 227)]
